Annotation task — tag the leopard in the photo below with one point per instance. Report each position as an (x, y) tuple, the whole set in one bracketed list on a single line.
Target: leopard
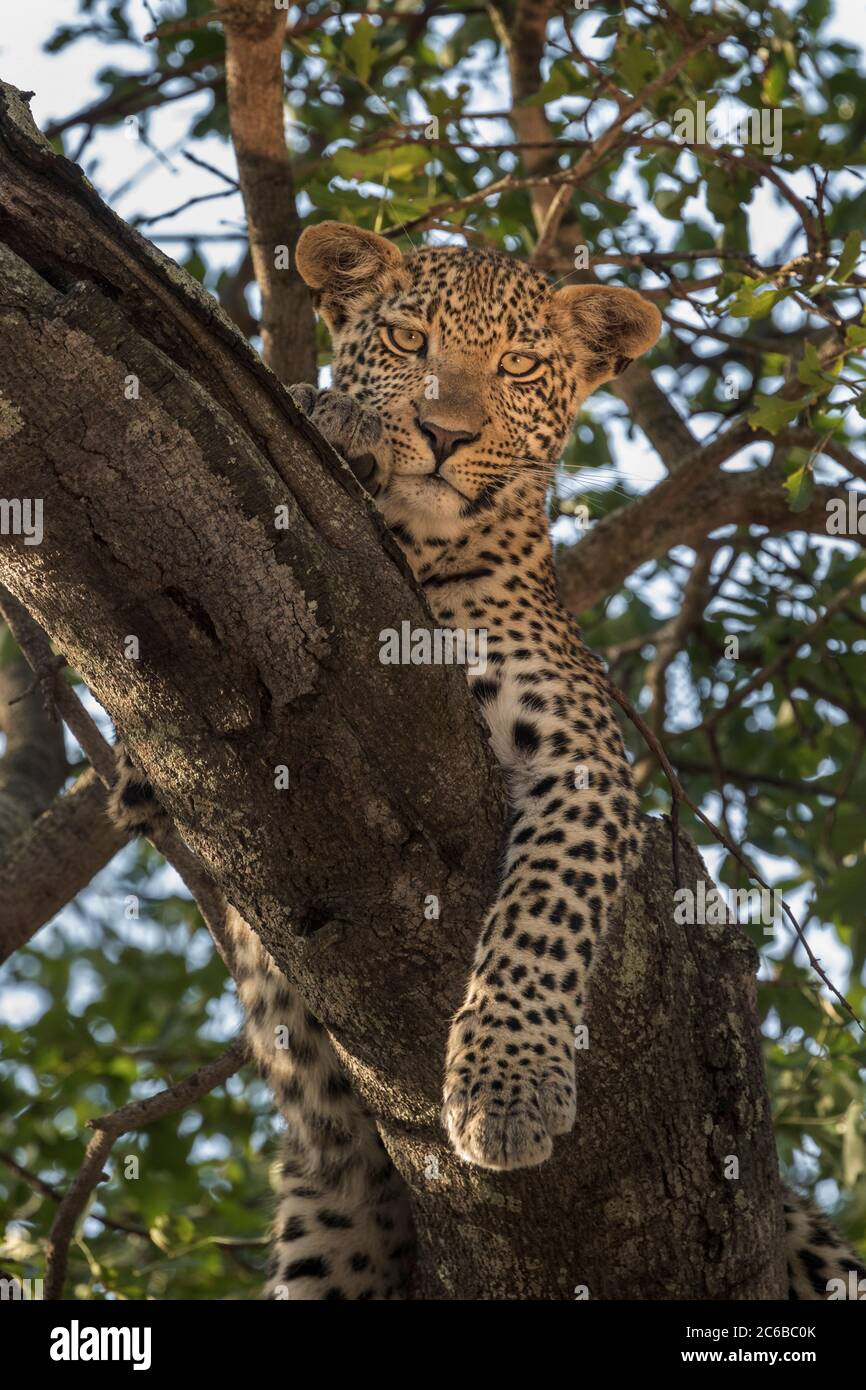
[(457, 377)]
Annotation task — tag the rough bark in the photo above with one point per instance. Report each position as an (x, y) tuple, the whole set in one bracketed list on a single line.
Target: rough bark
[(33, 766), (55, 860), (259, 649)]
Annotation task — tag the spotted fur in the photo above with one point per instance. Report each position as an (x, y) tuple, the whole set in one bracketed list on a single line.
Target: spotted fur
[(820, 1264), (457, 376)]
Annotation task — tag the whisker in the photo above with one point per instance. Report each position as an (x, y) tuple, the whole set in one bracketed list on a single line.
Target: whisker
[(605, 492), (602, 486), (572, 471), (585, 480), (602, 481)]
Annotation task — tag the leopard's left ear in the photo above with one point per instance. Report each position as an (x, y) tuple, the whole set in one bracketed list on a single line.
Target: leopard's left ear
[(606, 325), (345, 267)]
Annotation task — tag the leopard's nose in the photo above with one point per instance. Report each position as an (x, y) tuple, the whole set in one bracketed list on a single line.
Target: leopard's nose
[(442, 441)]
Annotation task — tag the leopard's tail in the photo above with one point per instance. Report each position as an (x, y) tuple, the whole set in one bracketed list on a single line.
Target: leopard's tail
[(132, 803), (343, 1226), (821, 1264)]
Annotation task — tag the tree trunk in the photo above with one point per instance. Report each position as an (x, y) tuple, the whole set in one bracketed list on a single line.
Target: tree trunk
[(164, 452)]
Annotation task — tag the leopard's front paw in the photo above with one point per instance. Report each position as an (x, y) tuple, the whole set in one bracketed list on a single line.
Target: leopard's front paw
[(355, 430), (507, 1092)]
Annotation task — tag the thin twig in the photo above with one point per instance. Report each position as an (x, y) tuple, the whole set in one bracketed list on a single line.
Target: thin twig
[(679, 793), (109, 1128), (126, 1228), (767, 672), (628, 107)]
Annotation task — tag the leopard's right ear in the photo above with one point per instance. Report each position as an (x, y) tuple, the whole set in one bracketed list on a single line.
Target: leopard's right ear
[(346, 267)]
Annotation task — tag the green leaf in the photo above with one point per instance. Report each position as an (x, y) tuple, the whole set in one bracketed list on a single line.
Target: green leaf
[(375, 165), (669, 201), (555, 86), (607, 27), (360, 49), (775, 82), (853, 1145), (849, 257), (855, 335), (800, 485), (811, 372), (637, 65), (773, 414), (753, 301)]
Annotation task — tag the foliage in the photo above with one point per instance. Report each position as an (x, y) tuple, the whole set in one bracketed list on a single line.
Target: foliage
[(124, 1004)]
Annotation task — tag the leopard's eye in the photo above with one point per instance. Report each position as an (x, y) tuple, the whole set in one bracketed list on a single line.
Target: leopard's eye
[(520, 364), (403, 339)]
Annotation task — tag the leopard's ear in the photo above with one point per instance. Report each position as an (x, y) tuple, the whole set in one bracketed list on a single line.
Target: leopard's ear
[(344, 267), (606, 325)]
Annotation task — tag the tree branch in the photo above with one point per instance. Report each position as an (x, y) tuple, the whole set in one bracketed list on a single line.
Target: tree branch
[(36, 647), (555, 220), (33, 767), (681, 511), (679, 794), (255, 33), (55, 860), (109, 1128), (671, 640), (147, 91)]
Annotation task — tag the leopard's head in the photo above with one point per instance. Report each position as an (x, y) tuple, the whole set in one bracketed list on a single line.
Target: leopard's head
[(476, 363)]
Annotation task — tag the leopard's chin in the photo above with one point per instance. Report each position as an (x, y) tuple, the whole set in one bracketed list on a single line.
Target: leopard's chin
[(423, 502), (429, 488)]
